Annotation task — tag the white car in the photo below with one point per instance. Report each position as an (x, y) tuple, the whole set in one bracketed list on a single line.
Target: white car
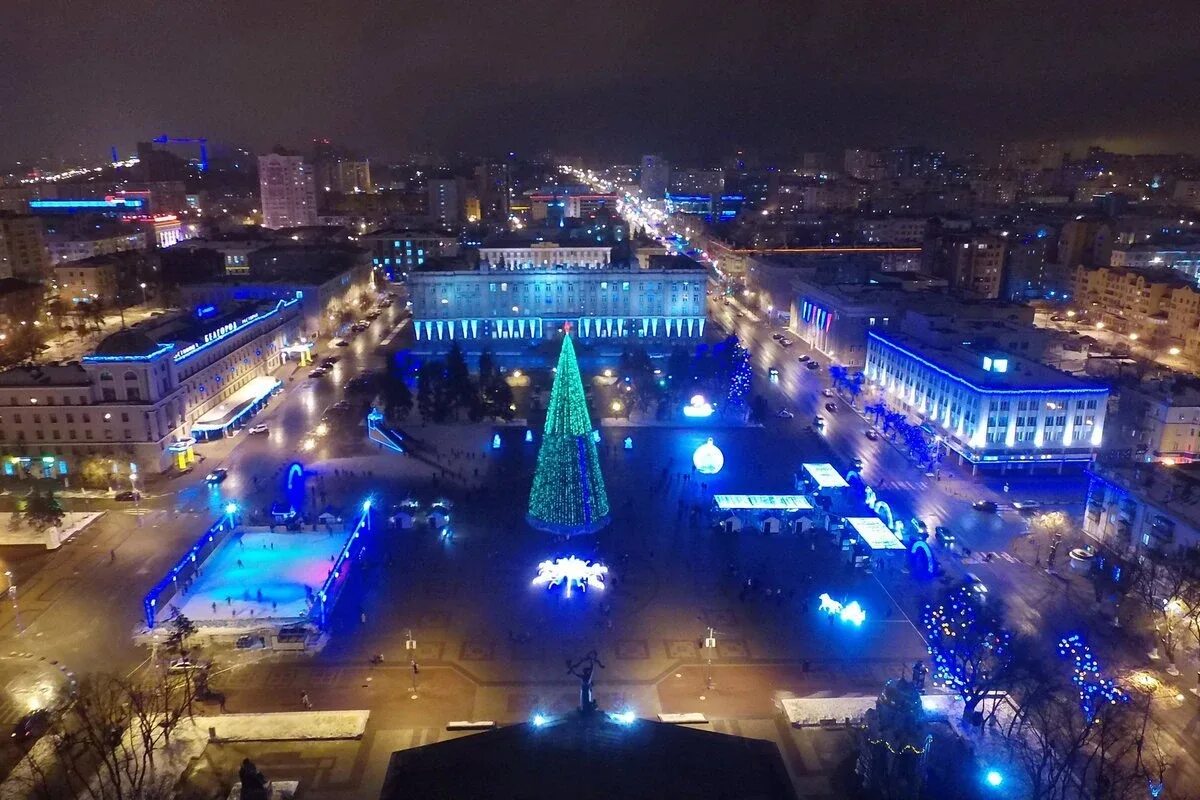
[(259, 429), (785, 414)]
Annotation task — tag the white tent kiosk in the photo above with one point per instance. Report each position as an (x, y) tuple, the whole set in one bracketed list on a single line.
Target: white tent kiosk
[(824, 476), (771, 513), (877, 539)]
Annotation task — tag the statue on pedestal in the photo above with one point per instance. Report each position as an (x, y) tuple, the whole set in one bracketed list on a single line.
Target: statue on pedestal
[(583, 669), (255, 786)]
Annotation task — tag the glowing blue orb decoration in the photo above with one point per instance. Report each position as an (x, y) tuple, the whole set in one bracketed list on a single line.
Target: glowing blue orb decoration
[(539, 720), (231, 508), (708, 458), (993, 778), (496, 442), (571, 572), (698, 407)]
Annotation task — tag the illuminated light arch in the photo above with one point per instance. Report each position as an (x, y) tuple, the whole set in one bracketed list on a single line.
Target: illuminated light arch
[(881, 507), (922, 553), (294, 471)]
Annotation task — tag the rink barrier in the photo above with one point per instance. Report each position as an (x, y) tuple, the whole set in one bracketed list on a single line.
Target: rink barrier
[(336, 580), (164, 591)]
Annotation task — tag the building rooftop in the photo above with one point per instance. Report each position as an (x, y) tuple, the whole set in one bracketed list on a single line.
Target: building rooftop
[(1007, 372), (586, 756), (72, 374), (1174, 490)]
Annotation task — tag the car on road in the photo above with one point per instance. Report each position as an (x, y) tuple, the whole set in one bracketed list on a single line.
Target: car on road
[(802, 359), (986, 506), (374, 315), (318, 372), (127, 497), (819, 421), (217, 475), (827, 392), (31, 726), (785, 414), (777, 336), (187, 665), (1027, 506), (259, 429), (857, 464), (786, 342), (773, 374), (329, 361), (1057, 318), (871, 434), (341, 343), (812, 365), (944, 536), (975, 585), (831, 408)]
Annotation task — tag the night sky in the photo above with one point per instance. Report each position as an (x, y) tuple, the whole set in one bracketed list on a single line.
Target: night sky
[(612, 78)]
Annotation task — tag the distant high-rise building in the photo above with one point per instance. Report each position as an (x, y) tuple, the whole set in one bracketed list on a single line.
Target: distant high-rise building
[(656, 176), (494, 190), (344, 176), (23, 252), (289, 198), (444, 207), (864, 165), (973, 263)]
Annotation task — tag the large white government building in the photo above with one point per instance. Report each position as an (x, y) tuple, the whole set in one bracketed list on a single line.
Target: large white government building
[(146, 394), (990, 407), (508, 307)]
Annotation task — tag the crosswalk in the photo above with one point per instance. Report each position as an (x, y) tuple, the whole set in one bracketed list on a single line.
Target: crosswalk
[(990, 556)]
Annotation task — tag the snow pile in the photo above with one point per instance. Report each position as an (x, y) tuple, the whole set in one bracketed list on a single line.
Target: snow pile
[(287, 726), (13, 529)]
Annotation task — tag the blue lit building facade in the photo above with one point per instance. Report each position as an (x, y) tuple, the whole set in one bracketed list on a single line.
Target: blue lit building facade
[(991, 408), (507, 310), (134, 401), (397, 252)]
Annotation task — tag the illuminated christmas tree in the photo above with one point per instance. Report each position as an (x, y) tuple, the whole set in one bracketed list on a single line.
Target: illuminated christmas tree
[(568, 495)]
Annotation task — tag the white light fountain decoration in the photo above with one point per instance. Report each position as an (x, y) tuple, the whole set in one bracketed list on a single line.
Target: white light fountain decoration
[(850, 612), (708, 458), (572, 573), (698, 407)]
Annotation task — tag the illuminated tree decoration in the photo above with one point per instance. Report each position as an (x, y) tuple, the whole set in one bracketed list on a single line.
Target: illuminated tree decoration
[(739, 379), (568, 495), (1094, 689), (968, 647), (572, 573)]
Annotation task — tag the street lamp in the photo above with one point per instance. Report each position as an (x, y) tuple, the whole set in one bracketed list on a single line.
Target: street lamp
[(143, 286), (410, 647), (12, 594)]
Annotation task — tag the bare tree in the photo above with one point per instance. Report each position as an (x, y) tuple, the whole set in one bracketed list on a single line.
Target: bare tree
[(103, 745), (1167, 590)]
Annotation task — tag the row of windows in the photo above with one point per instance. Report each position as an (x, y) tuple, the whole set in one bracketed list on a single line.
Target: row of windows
[(70, 418), (56, 436)]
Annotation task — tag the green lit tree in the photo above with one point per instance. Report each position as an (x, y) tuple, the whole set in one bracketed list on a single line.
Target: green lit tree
[(568, 495)]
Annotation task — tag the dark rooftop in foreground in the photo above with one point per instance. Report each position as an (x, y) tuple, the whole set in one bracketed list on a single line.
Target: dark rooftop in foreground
[(590, 756)]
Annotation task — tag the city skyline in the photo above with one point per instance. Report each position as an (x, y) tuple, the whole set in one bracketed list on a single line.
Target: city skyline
[(651, 80)]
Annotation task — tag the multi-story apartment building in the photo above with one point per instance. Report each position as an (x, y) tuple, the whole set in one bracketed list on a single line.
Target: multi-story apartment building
[(973, 263), (511, 309), (1143, 509), (893, 230), (87, 280), (991, 407), (70, 244), (289, 198), (398, 251), (147, 393), (23, 252), (444, 201), (1183, 258), (656, 177), (1154, 307)]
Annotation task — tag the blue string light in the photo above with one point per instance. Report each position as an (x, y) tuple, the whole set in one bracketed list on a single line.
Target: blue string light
[(1094, 689)]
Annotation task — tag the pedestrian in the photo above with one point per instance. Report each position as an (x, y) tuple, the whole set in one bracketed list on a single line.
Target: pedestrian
[(214, 606), (304, 701), (112, 555), (363, 616)]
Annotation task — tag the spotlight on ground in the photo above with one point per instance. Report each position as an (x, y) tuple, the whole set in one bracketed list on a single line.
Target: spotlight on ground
[(627, 717), (539, 720)]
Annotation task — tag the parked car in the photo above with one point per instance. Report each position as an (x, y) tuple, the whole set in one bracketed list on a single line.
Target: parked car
[(812, 365), (329, 361), (831, 408), (827, 392), (802, 359), (786, 342), (187, 665), (128, 497), (217, 475), (341, 343), (871, 434), (777, 336), (985, 505), (31, 726), (259, 429), (318, 372)]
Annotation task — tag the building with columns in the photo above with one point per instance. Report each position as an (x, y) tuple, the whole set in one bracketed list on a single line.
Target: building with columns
[(991, 407), (510, 309), (544, 255)]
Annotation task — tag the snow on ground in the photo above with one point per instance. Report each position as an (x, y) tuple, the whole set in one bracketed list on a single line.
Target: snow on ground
[(256, 574), (804, 711), (73, 522), (287, 726)]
